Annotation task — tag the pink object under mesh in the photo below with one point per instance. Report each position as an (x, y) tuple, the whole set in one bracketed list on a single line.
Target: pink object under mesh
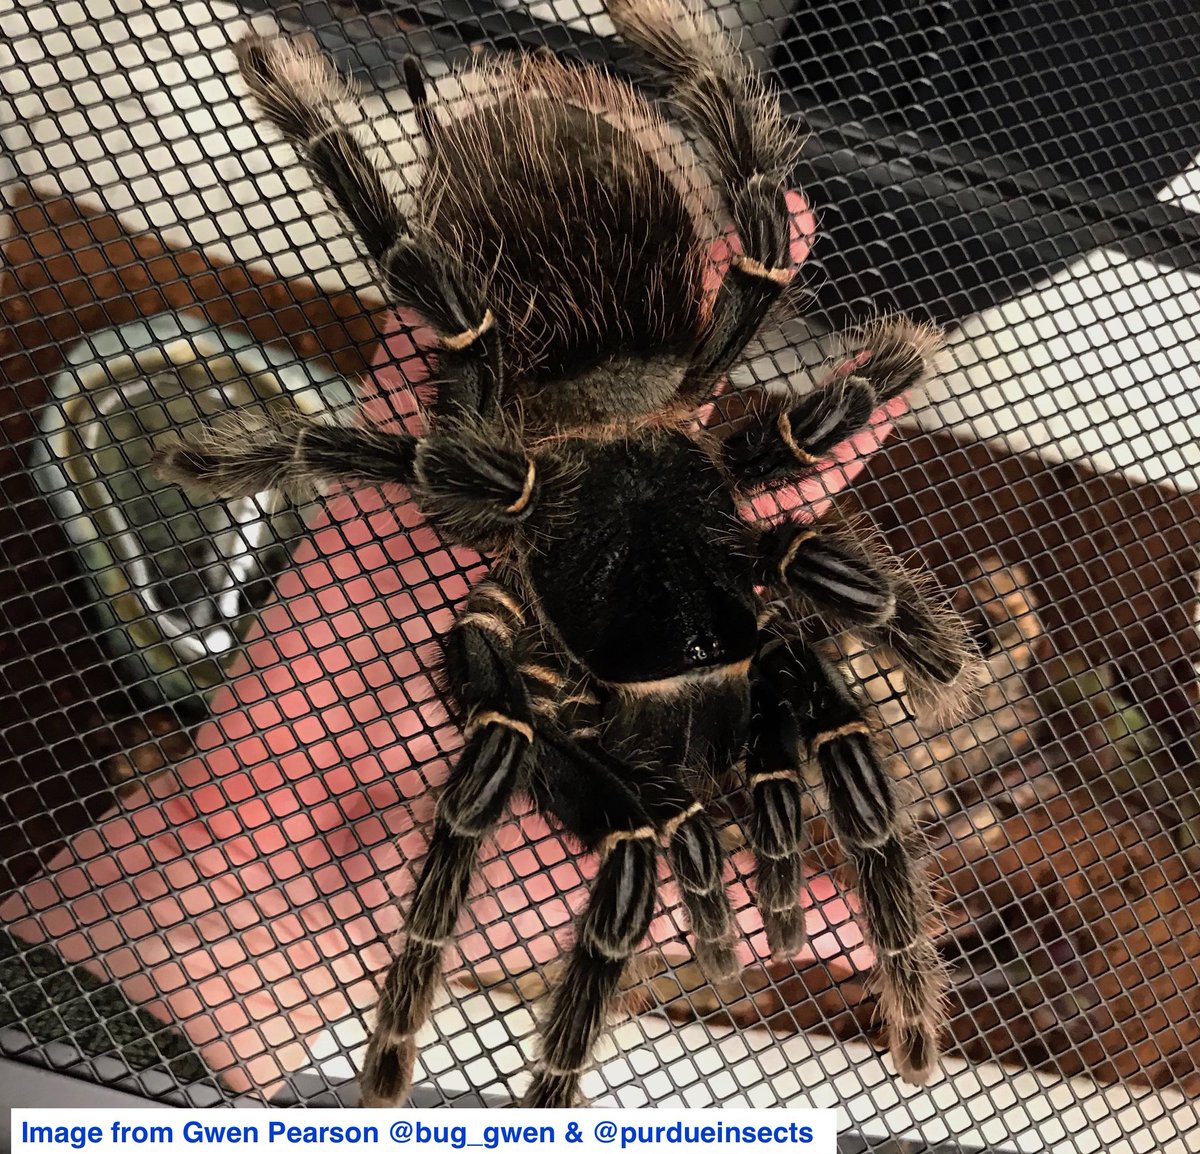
[(250, 895)]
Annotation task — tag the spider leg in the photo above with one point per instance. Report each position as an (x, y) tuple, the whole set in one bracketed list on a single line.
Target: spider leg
[(776, 787), (829, 573), (776, 446), (825, 718), (834, 579), (581, 790), (252, 453), (931, 644), (693, 845), (698, 860), (303, 96), (499, 732), (476, 481), (755, 150)]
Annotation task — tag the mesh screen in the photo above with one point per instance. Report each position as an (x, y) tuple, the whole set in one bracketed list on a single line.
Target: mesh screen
[(219, 726)]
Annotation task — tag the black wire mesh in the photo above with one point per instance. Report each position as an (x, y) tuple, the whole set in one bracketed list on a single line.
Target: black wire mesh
[(220, 730)]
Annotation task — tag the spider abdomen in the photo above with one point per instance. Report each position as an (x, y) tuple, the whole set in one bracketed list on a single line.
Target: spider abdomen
[(592, 253)]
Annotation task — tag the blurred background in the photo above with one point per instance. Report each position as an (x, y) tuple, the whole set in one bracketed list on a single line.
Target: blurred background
[(219, 731)]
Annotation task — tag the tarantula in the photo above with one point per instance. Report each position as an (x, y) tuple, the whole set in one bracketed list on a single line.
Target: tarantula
[(635, 642)]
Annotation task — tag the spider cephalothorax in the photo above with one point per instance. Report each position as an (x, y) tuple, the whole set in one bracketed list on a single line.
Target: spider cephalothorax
[(635, 644)]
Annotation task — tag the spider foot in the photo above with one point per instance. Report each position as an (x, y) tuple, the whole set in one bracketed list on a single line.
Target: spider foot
[(387, 1073), (785, 932), (717, 960), (914, 1051), (550, 1091)]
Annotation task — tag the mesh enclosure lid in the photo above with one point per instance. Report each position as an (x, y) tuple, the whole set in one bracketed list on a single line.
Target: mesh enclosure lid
[(1077, 99), (220, 729)]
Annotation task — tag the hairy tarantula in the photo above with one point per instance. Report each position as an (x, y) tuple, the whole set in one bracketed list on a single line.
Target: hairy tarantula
[(635, 643)]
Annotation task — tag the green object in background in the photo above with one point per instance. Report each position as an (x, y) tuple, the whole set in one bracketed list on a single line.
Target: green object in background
[(46, 1000), (175, 583)]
